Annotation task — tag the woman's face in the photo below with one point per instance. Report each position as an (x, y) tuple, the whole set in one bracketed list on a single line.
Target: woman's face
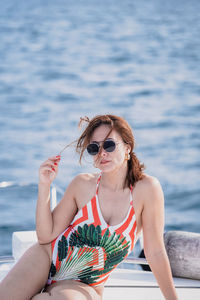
[(109, 161)]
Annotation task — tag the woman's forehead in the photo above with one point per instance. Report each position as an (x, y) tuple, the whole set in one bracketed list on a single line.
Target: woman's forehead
[(101, 132)]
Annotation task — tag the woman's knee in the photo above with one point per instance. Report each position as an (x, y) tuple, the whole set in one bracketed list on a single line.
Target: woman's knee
[(68, 295), (73, 294)]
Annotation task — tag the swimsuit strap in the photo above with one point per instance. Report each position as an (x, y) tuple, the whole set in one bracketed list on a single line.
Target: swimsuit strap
[(97, 186), (131, 196)]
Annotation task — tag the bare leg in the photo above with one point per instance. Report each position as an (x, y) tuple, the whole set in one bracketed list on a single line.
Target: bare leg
[(28, 276), (69, 290)]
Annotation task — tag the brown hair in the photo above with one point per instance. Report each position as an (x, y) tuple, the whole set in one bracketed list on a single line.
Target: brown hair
[(135, 168)]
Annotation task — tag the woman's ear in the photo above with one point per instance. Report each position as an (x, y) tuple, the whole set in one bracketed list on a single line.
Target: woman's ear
[(128, 148)]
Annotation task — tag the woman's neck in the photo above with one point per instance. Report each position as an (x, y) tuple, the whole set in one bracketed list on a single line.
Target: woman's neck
[(115, 179)]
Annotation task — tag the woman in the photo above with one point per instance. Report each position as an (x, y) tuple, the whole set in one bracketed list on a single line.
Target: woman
[(96, 224)]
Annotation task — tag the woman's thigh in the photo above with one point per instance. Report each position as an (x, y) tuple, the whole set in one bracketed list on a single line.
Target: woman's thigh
[(69, 290), (29, 274)]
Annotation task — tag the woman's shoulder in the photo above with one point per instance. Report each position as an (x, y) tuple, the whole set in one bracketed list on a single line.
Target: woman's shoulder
[(148, 187), (84, 181), (84, 185), (83, 178), (148, 182)]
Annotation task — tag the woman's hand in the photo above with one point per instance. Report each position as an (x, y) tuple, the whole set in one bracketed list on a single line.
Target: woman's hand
[(49, 170)]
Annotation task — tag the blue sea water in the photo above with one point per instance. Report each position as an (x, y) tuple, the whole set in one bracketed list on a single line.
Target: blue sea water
[(60, 60)]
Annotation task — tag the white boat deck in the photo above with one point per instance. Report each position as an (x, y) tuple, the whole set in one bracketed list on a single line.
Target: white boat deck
[(137, 284)]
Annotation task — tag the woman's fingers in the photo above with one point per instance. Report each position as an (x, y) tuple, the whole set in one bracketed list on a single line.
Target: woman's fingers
[(51, 164), (51, 161), (49, 169), (54, 158)]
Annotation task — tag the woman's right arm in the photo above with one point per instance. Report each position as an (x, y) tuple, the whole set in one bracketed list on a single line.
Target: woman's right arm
[(50, 224)]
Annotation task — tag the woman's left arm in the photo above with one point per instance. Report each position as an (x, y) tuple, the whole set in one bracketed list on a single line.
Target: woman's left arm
[(153, 229)]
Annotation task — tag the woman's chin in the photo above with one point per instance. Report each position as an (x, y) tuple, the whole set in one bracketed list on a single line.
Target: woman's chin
[(110, 167), (107, 167)]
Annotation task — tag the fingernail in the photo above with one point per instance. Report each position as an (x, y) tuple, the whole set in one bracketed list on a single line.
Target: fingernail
[(57, 155), (55, 164), (53, 169)]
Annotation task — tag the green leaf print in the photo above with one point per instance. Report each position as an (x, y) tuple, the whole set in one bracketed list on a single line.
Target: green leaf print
[(99, 235), (52, 271), (89, 254), (62, 248), (104, 238), (84, 231), (73, 239)]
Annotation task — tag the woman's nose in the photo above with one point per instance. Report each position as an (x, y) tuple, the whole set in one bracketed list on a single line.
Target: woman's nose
[(103, 153)]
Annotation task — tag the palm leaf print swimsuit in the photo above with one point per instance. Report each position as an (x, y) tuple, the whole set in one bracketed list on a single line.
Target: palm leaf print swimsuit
[(90, 249)]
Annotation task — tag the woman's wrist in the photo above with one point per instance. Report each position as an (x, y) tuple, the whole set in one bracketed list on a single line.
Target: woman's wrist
[(43, 190), (43, 185)]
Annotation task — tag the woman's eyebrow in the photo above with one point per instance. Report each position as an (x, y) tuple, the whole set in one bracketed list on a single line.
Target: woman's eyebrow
[(97, 142), (101, 141)]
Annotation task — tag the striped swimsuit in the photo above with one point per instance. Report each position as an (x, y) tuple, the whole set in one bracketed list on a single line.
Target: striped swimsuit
[(90, 249)]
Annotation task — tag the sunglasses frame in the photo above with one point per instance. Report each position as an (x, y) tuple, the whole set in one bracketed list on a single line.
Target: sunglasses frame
[(99, 146)]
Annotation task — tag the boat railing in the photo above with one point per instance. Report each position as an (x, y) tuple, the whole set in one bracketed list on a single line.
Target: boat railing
[(132, 260)]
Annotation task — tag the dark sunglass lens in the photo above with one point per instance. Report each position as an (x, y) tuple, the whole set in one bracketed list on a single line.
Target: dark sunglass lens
[(109, 146), (93, 149)]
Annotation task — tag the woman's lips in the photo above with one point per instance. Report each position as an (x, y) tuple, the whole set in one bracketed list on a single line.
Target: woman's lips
[(103, 162)]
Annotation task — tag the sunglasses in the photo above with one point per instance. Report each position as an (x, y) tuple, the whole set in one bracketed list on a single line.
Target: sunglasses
[(108, 146)]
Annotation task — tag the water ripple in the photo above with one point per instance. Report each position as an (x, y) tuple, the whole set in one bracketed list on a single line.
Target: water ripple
[(69, 59)]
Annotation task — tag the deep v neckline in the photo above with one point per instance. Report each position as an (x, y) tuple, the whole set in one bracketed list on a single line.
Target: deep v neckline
[(100, 211)]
